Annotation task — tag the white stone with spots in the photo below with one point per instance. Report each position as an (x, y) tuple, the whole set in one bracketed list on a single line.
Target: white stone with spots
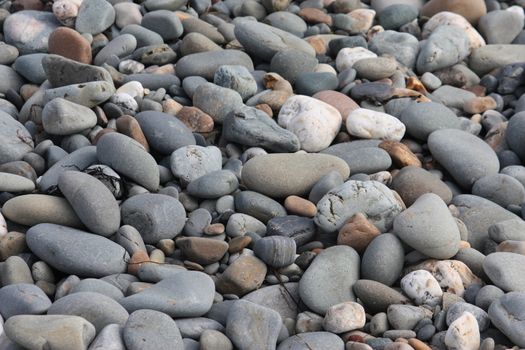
[(369, 124), (344, 317), (422, 287), (348, 56), (463, 333)]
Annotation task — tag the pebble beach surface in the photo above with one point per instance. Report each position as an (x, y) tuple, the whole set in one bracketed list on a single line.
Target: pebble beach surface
[(262, 174)]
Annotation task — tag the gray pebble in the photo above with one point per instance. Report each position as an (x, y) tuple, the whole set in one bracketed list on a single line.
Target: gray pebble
[(506, 314), (217, 101), (503, 269), (258, 205), (383, 259), (23, 299), (151, 329), (94, 17), (421, 119), (110, 337), (164, 22), (237, 78)]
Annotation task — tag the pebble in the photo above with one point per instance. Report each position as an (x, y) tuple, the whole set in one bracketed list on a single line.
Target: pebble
[(163, 22), (505, 314), (422, 287), (150, 328), (108, 338), (362, 156), (94, 17), (490, 26), (412, 182), (422, 119), (471, 10), (205, 64), (62, 117), (383, 259), (501, 269), (217, 101), (29, 39), (23, 299), (275, 251), (404, 47), (404, 317), (501, 189), (244, 275), (344, 317), (368, 124), (348, 56), (463, 333), (203, 251), (15, 183)]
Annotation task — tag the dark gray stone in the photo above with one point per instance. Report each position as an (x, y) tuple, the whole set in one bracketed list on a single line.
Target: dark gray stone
[(300, 228), (275, 251), (30, 67), (366, 160), (258, 205), (290, 63), (213, 185), (217, 101), (164, 22), (383, 259)]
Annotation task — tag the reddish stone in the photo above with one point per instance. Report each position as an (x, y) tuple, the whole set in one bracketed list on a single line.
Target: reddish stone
[(129, 126), (339, 101), (195, 119), (69, 43)]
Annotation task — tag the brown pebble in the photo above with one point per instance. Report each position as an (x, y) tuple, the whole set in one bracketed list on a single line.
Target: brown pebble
[(237, 244), (413, 83), (319, 43), (339, 101), (69, 43), (157, 256), (265, 108), (136, 261), (517, 247), (171, 106), (400, 154), (464, 244), (214, 229), (129, 126), (300, 206), (202, 250), (102, 133), (277, 83), (165, 69), (166, 245), (27, 90), (357, 233), (472, 10), (20, 5), (418, 344), (314, 16), (244, 275), (13, 243), (190, 265), (195, 119), (102, 119), (479, 105)]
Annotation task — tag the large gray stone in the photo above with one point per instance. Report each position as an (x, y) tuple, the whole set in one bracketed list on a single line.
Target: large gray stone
[(373, 199), (62, 117), (150, 329), (23, 299), (507, 314), (94, 16), (29, 30), (329, 278), (362, 156), (501, 189), (61, 71), (76, 252), (30, 67), (88, 94), (217, 101), (376, 296), (466, 157), (500, 26), (421, 119), (505, 270)]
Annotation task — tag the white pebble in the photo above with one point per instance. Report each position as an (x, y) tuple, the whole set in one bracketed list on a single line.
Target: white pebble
[(369, 124), (348, 56), (463, 333), (344, 317), (422, 287)]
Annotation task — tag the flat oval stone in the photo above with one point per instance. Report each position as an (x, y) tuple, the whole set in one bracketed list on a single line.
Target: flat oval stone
[(239, 224), (503, 269), (62, 71), (285, 174), (369, 124), (506, 314), (121, 46), (88, 94), (329, 278), (258, 205), (205, 64), (72, 251), (155, 216), (94, 204), (362, 158), (98, 286), (23, 299), (244, 275), (30, 67), (275, 251), (501, 189), (428, 227), (264, 41), (383, 259), (77, 160), (29, 30), (144, 36), (202, 250), (421, 119), (96, 308), (58, 331), (128, 157), (411, 182), (186, 294), (94, 17), (164, 132), (62, 117), (152, 329), (486, 58), (466, 157), (213, 185), (34, 209), (164, 22), (77, 47), (191, 162), (217, 101), (17, 141), (373, 199), (15, 183)]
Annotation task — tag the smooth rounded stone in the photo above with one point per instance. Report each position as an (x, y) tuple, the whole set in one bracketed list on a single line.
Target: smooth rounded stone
[(164, 22), (375, 68), (239, 224), (244, 275), (15, 270), (314, 122), (271, 174), (434, 232), (421, 119), (29, 30), (348, 56), (320, 290), (486, 58), (422, 288), (452, 19), (313, 341), (275, 251), (201, 250), (452, 97), (191, 162), (472, 158), (404, 47), (291, 63), (196, 43), (311, 83), (286, 21), (396, 15), (15, 183), (120, 46), (217, 101), (376, 201), (236, 77), (369, 124), (96, 308), (186, 294), (479, 214), (264, 41), (197, 222), (491, 24), (277, 297), (211, 339), (405, 317), (58, 332), (325, 184), (126, 14), (411, 182), (506, 314), (8, 54), (62, 117), (128, 158), (252, 326), (89, 94), (258, 205), (98, 286), (383, 259), (94, 204), (72, 251), (361, 160), (94, 17), (513, 230), (463, 333), (486, 295), (151, 329), (513, 134), (456, 310), (503, 269), (145, 37), (30, 67), (340, 101), (153, 272), (23, 299), (17, 140), (301, 229), (155, 216), (445, 47), (110, 338), (251, 127), (344, 317), (164, 133), (205, 64), (501, 189), (471, 10)]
